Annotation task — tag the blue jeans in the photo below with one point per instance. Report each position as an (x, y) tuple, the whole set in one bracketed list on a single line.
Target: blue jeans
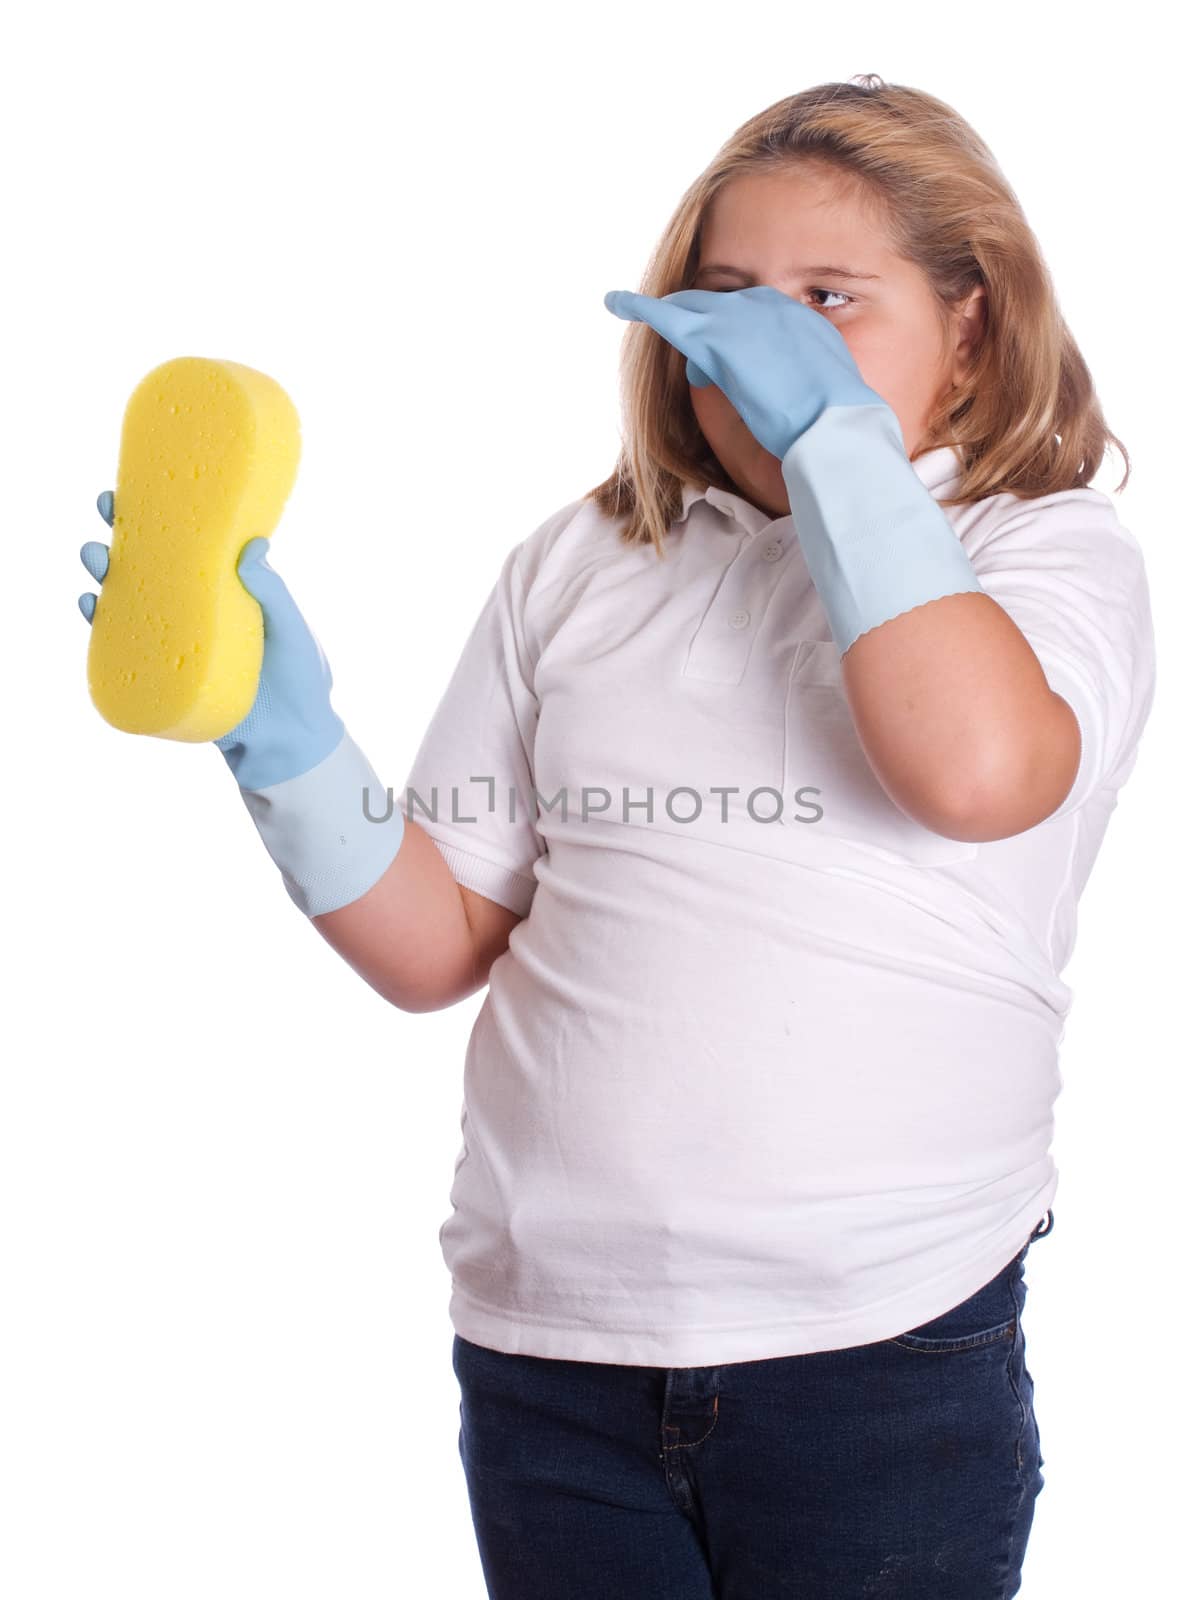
[(906, 1469)]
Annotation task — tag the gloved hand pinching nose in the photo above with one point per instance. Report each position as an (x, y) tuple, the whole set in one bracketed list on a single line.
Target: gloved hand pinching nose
[(780, 363)]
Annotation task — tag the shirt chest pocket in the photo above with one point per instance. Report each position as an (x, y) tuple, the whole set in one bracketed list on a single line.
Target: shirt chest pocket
[(823, 753)]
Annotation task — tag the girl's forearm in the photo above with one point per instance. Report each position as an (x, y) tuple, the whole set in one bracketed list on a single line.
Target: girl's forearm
[(409, 937), (958, 721)]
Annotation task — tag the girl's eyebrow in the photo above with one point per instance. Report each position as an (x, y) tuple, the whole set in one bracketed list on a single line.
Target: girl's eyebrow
[(798, 272)]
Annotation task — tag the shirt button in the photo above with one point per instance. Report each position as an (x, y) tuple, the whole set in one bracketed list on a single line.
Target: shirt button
[(738, 619), (772, 552)]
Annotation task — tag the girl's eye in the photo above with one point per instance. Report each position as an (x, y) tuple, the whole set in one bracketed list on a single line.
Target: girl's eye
[(837, 293)]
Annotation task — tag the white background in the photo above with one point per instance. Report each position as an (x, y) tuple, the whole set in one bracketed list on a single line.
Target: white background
[(224, 1161)]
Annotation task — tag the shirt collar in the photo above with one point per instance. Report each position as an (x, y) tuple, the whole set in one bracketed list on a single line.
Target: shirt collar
[(936, 469)]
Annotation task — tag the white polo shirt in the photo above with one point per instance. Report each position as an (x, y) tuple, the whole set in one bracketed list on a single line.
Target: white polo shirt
[(768, 1067)]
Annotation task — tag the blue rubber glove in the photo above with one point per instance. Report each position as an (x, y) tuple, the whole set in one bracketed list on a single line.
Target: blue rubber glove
[(875, 541), (300, 774), (779, 362), (291, 726)]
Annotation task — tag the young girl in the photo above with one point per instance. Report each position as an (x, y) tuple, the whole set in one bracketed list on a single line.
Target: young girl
[(761, 797)]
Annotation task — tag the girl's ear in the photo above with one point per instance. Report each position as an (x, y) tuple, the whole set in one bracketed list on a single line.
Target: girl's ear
[(969, 325)]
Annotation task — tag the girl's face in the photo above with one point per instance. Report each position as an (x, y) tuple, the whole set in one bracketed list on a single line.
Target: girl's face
[(774, 228)]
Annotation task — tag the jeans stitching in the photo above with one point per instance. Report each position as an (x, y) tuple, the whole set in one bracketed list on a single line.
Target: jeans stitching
[(953, 1347), (670, 1427)]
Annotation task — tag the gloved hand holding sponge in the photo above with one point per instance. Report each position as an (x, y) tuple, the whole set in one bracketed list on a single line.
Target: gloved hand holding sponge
[(195, 636)]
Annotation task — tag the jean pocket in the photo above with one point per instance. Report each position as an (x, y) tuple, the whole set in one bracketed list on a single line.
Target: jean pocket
[(825, 761), (988, 1317)]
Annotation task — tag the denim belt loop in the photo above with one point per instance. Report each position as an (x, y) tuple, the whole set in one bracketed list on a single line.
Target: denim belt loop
[(1041, 1231)]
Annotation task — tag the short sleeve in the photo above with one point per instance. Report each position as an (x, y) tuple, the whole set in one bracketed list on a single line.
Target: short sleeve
[(471, 786), (1073, 581)]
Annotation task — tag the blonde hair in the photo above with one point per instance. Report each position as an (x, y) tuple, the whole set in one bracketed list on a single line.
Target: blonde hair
[(1025, 420)]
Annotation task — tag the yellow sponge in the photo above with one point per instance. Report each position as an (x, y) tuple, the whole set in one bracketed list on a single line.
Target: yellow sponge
[(208, 458)]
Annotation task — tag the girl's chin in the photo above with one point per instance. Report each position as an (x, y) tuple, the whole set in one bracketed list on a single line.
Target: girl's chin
[(766, 486), (756, 472)]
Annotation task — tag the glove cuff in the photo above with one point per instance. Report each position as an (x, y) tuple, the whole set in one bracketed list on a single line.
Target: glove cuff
[(332, 831), (875, 540)]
